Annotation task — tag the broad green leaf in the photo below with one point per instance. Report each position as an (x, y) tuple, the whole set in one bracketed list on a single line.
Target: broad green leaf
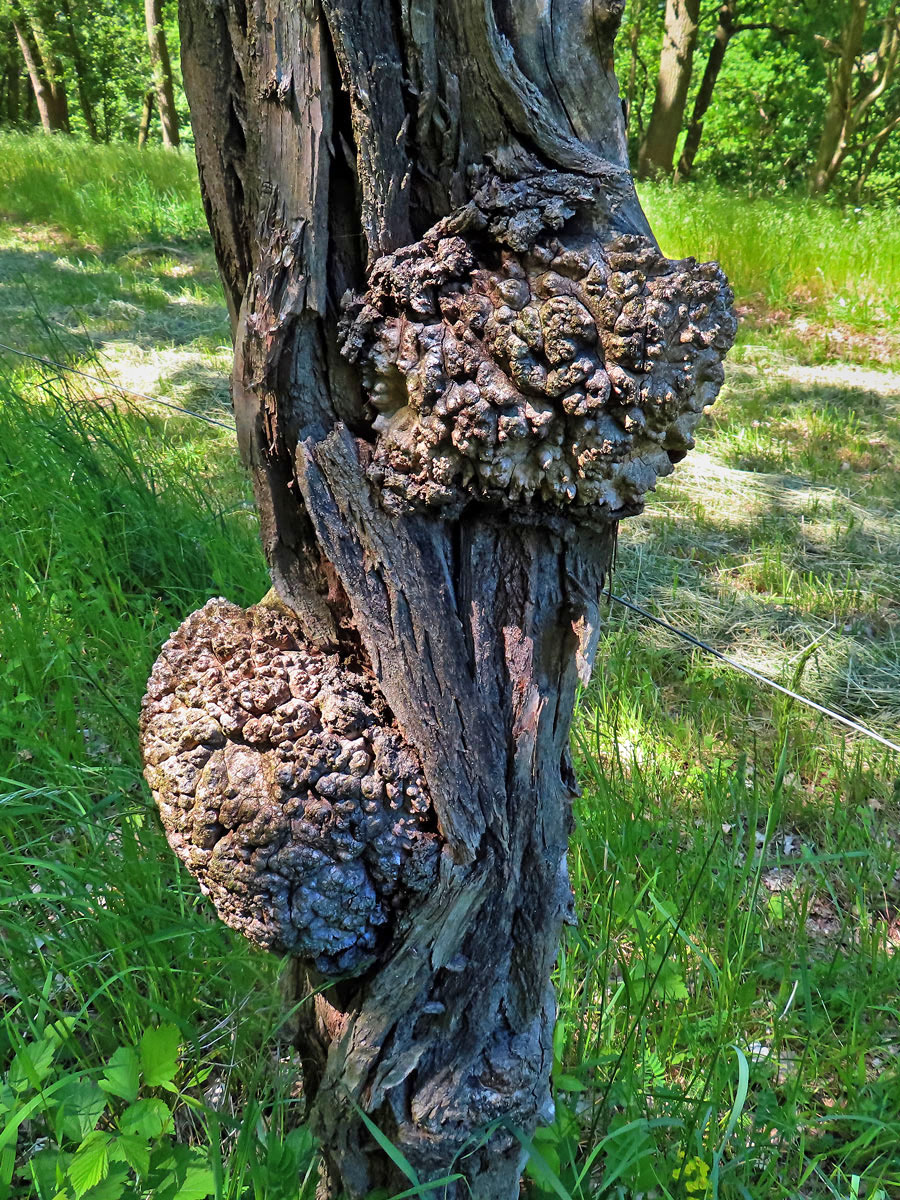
[(149, 1119), (81, 1104), (133, 1149), (91, 1162), (32, 1065), (159, 1055), (48, 1169), (60, 1031), (181, 1173), (198, 1183), (122, 1076), (113, 1187), (7, 1098), (569, 1083)]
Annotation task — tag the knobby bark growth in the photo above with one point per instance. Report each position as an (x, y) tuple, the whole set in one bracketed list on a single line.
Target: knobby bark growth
[(460, 359), (676, 62)]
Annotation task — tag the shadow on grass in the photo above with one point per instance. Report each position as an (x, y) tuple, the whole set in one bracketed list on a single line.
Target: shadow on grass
[(75, 296)]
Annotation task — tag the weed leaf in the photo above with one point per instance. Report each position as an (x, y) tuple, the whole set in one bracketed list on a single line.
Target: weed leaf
[(148, 1119), (91, 1162), (32, 1065), (122, 1075), (132, 1149), (81, 1105), (159, 1055)]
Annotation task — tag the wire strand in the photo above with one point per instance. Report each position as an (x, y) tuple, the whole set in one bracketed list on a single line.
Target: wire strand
[(681, 633), (695, 641), (118, 387)]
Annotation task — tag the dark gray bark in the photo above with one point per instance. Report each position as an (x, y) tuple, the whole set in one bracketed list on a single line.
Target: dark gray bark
[(400, 197), (657, 151)]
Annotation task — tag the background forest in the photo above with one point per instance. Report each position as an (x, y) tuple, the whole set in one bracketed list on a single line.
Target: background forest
[(729, 1019), (764, 94)]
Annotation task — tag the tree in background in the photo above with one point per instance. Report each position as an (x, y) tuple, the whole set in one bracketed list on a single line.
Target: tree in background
[(727, 27), (863, 101), (162, 76), (460, 359), (34, 32), (657, 150), (80, 67), (105, 54)]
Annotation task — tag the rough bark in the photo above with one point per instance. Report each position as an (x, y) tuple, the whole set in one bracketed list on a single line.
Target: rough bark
[(675, 65), (459, 359), (162, 73), (46, 79)]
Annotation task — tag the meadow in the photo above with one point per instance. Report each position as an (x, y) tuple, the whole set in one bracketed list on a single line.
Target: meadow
[(730, 1000)]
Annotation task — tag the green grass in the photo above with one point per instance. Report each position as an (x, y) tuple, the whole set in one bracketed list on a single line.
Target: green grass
[(819, 280), (102, 196), (729, 1015)]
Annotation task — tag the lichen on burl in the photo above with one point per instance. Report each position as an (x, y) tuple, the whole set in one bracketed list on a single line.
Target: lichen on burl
[(284, 787), (517, 356)]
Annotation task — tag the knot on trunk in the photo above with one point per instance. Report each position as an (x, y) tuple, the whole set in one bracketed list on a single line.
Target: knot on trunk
[(285, 787), (522, 353)]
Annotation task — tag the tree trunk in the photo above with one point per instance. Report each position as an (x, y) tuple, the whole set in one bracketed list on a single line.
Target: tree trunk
[(721, 38), (81, 73), (634, 41), (46, 81), (858, 83), (162, 73), (675, 64), (146, 117), (460, 359), (833, 143)]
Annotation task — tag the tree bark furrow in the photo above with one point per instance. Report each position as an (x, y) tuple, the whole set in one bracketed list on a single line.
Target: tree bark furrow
[(460, 358)]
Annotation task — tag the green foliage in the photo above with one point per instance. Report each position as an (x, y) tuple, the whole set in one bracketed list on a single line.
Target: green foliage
[(88, 1142), (788, 252), (728, 1004), (763, 129), (101, 46)]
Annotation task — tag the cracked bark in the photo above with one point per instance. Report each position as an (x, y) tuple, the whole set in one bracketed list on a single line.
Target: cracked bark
[(330, 135)]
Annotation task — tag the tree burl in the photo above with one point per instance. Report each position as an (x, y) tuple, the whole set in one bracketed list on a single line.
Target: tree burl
[(460, 359)]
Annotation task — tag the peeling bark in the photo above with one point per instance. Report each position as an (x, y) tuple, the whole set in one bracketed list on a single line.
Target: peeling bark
[(390, 189)]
